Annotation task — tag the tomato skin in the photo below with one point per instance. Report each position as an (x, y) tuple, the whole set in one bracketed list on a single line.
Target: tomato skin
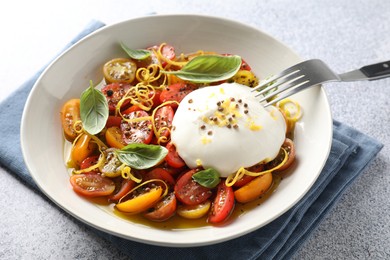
[(137, 132), (92, 185), (113, 121), (114, 137), (190, 192), (141, 202), (82, 149), (114, 92), (173, 158), (223, 204), (176, 92), (70, 113), (88, 162), (163, 119), (289, 146), (124, 187), (163, 210), (254, 189), (160, 174), (247, 178)]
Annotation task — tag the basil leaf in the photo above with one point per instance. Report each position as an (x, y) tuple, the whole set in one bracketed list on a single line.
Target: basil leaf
[(93, 110), (208, 178), (141, 156), (136, 54), (209, 68)]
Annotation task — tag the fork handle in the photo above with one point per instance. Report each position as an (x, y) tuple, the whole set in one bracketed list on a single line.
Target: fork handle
[(377, 71)]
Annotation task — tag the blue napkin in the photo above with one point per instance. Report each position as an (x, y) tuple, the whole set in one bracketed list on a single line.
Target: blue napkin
[(351, 152)]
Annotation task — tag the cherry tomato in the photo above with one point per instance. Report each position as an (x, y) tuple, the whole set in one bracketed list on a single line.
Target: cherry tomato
[(114, 92), (247, 178), (173, 159), (223, 204), (189, 191), (146, 199), (163, 119), (195, 211), (289, 146), (245, 65), (114, 137), (92, 185), (70, 113), (131, 109), (163, 210), (88, 162), (254, 189), (160, 174), (82, 149), (176, 92), (137, 131), (113, 121), (122, 189), (167, 51), (120, 70), (112, 166)]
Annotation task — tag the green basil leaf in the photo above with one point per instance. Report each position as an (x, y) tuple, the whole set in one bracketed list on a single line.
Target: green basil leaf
[(208, 178), (141, 156), (93, 110), (209, 68), (136, 54)]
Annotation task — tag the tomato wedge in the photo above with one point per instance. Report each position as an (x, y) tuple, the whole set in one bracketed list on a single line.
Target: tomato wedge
[(114, 137), (82, 149), (70, 113), (289, 146), (139, 130), (167, 51), (119, 70), (141, 202), (173, 159), (92, 185), (223, 204), (176, 92), (189, 191), (122, 189), (254, 189), (163, 120), (114, 92), (163, 210), (88, 162)]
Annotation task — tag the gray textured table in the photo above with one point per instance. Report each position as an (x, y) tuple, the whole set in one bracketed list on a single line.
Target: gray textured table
[(345, 34)]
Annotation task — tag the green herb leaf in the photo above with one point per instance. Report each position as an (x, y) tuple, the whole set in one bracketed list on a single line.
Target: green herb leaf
[(93, 110), (208, 178), (136, 54), (209, 68), (141, 156)]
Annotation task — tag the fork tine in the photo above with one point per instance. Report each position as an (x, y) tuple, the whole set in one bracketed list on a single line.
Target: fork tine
[(288, 91), (287, 79)]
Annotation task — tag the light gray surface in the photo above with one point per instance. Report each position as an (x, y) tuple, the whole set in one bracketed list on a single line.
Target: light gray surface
[(345, 34)]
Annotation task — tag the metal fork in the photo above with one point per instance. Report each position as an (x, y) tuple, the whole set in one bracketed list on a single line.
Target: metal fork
[(310, 73)]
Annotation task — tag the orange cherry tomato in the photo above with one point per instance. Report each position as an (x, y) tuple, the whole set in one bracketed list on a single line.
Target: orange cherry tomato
[(254, 189), (82, 149), (114, 137), (120, 70), (163, 210), (70, 113), (92, 185), (142, 202)]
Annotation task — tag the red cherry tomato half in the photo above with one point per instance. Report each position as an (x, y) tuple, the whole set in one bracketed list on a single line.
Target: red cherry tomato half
[(173, 158), (288, 145), (92, 185), (189, 191), (114, 92), (160, 174), (88, 162), (247, 178), (137, 131), (163, 119), (122, 189), (167, 51), (223, 204), (163, 210), (176, 92), (113, 121)]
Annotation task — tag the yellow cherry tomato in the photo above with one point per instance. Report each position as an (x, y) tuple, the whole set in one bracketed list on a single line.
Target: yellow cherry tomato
[(246, 77), (141, 202), (194, 212), (254, 189), (114, 137), (119, 70)]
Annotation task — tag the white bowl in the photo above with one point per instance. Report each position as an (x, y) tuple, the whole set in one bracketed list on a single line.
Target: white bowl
[(42, 139)]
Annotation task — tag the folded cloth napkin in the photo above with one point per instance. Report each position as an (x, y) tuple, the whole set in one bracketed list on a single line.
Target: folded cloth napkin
[(351, 152)]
